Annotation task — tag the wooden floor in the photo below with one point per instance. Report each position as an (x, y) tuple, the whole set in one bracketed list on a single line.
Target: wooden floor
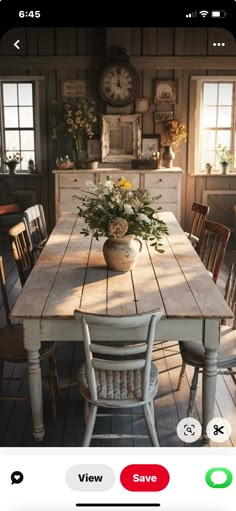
[(67, 429)]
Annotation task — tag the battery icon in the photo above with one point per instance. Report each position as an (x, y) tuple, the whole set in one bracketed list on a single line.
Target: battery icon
[(218, 14)]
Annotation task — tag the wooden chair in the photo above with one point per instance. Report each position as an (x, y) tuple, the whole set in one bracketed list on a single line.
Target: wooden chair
[(12, 348), (22, 250), (212, 245), (193, 352), (199, 215), (34, 219), (115, 376)]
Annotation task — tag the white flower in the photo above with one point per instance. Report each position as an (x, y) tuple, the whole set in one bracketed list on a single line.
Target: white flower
[(128, 209), (143, 218), (109, 184)]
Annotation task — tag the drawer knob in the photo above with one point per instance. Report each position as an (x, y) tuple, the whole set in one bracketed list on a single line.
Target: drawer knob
[(75, 180), (160, 180)]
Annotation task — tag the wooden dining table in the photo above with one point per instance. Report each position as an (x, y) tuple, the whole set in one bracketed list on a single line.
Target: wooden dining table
[(71, 273)]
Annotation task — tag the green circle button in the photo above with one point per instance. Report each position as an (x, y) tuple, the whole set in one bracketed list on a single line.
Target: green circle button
[(219, 477)]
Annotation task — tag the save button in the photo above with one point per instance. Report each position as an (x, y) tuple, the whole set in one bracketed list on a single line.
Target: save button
[(144, 477)]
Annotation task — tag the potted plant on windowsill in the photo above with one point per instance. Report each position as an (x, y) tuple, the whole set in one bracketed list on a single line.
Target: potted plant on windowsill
[(11, 161), (225, 156)]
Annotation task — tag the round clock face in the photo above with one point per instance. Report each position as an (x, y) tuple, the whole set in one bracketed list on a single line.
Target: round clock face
[(118, 83)]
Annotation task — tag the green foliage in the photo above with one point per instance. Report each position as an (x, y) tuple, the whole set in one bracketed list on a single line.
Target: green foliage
[(116, 209)]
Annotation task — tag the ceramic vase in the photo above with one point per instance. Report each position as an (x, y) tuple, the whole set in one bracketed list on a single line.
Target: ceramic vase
[(121, 254), (168, 156)]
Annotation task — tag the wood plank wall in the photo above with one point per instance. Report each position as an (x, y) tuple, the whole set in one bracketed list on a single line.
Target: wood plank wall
[(158, 53)]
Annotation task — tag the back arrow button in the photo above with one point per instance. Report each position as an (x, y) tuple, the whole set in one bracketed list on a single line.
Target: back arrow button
[(16, 44)]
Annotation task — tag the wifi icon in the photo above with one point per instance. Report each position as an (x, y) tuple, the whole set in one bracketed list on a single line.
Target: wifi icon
[(204, 13)]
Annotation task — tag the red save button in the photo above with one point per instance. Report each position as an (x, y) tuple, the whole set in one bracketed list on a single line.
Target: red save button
[(144, 477)]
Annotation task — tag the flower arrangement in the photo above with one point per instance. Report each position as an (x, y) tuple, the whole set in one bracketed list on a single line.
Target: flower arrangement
[(175, 133), (116, 209), (76, 119), (225, 155), (14, 158)]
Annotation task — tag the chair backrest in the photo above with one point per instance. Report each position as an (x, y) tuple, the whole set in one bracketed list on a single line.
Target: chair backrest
[(212, 245), (22, 250), (230, 288), (4, 292), (34, 219), (132, 355), (199, 215)]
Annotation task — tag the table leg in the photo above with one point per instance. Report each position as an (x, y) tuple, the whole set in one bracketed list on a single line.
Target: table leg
[(211, 343), (32, 345)]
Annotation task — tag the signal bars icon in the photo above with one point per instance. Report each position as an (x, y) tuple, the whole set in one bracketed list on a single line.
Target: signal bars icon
[(191, 15)]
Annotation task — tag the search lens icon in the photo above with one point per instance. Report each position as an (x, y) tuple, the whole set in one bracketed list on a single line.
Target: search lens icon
[(16, 477), (219, 477)]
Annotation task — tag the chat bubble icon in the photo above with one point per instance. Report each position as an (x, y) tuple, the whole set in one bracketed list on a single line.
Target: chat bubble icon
[(219, 477), (16, 477)]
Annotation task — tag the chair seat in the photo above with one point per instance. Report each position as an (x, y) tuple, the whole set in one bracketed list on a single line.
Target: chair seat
[(118, 385), (193, 353), (12, 345)]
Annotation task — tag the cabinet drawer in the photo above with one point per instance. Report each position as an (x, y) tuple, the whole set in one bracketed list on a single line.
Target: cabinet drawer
[(161, 180), (76, 180), (130, 176), (167, 195)]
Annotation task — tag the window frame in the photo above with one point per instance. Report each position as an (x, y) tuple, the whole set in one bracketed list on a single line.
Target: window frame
[(35, 81), (196, 107)]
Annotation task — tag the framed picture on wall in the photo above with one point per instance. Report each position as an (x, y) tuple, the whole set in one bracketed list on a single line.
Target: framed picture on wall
[(150, 144), (142, 105), (166, 91), (163, 116), (74, 88)]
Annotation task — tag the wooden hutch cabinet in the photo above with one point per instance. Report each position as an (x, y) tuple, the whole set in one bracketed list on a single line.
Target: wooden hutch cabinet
[(163, 182)]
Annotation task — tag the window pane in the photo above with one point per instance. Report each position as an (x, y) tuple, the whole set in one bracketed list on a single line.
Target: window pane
[(27, 140), (25, 94), (209, 117), (27, 155), (11, 117), (224, 116), (210, 94), (12, 140), (225, 93), (207, 157), (223, 138), (26, 117), (208, 139), (9, 94)]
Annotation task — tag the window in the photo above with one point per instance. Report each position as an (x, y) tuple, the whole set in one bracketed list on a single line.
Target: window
[(215, 121), (18, 112)]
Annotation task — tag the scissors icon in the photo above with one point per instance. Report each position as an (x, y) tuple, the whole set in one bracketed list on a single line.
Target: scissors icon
[(218, 430)]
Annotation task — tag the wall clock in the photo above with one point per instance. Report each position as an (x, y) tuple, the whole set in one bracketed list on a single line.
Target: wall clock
[(118, 82)]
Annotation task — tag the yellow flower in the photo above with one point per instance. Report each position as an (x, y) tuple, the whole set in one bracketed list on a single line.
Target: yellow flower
[(122, 182)]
